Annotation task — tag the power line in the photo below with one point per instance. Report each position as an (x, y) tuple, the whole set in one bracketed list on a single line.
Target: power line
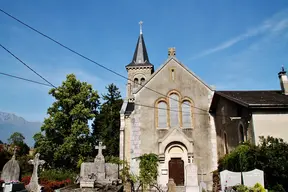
[(159, 108), (81, 55), (27, 65), (48, 85), (24, 79)]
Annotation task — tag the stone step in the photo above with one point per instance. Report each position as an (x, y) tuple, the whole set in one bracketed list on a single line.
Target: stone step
[(180, 189)]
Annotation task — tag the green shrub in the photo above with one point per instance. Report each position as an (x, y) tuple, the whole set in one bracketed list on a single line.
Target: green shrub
[(57, 174), (277, 188), (241, 188), (258, 188)]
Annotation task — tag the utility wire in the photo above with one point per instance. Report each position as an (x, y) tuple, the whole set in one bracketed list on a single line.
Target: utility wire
[(136, 104), (48, 85), (24, 79), (51, 85), (27, 65), (81, 55)]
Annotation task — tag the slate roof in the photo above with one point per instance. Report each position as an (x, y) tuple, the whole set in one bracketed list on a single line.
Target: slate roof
[(140, 57), (254, 99), (129, 109)]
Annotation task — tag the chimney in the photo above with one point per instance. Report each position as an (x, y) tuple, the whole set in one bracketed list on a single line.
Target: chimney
[(283, 81)]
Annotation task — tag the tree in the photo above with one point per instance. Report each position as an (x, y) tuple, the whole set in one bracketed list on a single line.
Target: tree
[(65, 135), (15, 138), (1, 142), (106, 126), (271, 156)]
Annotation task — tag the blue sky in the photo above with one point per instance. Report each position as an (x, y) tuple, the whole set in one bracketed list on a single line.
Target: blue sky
[(234, 45)]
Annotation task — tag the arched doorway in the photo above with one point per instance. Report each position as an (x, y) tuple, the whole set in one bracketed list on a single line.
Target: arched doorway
[(176, 171), (176, 164)]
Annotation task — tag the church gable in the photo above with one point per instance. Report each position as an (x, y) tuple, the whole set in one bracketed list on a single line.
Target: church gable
[(173, 72)]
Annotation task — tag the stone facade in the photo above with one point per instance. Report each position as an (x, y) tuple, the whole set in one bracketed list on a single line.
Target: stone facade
[(192, 138)]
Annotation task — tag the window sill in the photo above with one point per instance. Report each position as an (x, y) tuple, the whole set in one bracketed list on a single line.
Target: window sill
[(158, 128), (187, 128)]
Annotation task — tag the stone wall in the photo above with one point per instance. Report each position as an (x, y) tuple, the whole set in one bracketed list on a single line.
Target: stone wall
[(188, 85)]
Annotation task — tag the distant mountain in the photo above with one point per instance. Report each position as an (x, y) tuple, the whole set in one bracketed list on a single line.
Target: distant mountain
[(10, 123)]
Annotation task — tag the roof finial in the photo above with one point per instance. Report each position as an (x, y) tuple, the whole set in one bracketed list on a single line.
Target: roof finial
[(141, 23), (283, 68)]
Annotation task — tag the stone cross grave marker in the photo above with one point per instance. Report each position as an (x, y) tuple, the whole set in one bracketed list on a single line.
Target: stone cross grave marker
[(100, 162), (100, 156), (229, 179), (34, 185), (11, 170), (202, 184), (250, 178)]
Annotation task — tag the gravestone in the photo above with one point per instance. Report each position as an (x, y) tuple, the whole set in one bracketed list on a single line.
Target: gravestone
[(250, 178), (100, 162), (33, 185), (229, 178), (111, 171), (88, 175), (171, 185), (11, 170), (203, 186), (191, 178)]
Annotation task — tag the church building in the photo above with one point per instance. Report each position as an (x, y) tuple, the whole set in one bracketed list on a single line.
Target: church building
[(166, 112)]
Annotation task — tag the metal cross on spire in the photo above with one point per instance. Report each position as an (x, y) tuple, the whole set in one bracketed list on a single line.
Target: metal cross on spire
[(141, 23)]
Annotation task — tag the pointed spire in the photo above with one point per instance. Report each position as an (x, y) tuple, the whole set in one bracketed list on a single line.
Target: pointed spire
[(140, 57), (140, 54)]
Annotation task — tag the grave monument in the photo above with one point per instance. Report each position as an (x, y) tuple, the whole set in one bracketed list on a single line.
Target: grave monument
[(34, 186), (191, 178)]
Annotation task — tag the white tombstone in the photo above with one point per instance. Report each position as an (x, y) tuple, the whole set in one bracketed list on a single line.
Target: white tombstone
[(229, 179), (250, 178), (203, 185), (191, 179)]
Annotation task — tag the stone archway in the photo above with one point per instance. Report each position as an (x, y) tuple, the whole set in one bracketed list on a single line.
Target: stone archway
[(176, 158)]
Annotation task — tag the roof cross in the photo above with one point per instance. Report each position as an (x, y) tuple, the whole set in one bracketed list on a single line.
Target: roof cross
[(141, 23)]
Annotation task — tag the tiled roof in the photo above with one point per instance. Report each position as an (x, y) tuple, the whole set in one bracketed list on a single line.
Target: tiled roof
[(129, 109), (258, 99)]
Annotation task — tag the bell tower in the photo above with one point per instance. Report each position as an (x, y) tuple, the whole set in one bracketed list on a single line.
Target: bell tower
[(140, 68)]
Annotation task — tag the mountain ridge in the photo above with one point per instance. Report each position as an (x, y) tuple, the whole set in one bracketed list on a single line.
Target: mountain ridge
[(10, 123)]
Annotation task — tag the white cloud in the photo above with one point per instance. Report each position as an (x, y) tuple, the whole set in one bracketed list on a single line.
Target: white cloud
[(274, 24)]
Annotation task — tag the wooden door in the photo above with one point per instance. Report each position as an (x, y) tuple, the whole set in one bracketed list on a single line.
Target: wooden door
[(176, 171)]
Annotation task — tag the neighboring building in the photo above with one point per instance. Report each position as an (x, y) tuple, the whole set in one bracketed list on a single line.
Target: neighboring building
[(166, 112), (246, 115)]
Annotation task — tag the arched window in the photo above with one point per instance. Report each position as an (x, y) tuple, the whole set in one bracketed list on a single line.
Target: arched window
[(142, 81), (186, 114), (174, 110), (162, 114), (136, 82), (241, 133)]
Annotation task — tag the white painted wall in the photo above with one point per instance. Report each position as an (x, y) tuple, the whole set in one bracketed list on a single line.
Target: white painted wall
[(275, 125)]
